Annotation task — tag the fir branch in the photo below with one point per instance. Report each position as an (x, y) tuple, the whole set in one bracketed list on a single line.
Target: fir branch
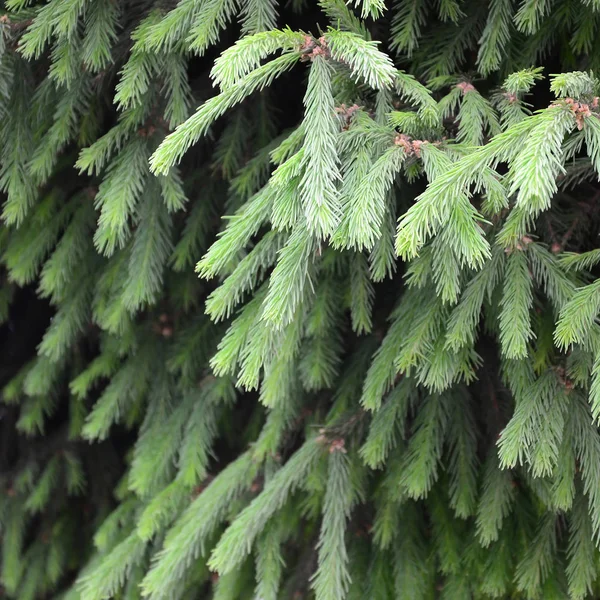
[(388, 425), (578, 315), (363, 58), (248, 52), (290, 280), (318, 191), (581, 569), (210, 19), (188, 537), (332, 579), (259, 15), (517, 299), (188, 133), (229, 552), (425, 447)]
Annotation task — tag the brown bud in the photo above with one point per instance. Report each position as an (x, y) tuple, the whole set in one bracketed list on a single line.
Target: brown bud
[(465, 87), (337, 446)]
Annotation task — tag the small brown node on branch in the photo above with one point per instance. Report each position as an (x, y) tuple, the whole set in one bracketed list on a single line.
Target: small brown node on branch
[(523, 242), (308, 45), (520, 245), (164, 325), (417, 147), (312, 48), (346, 113), (465, 87), (410, 146), (563, 378), (580, 110), (403, 140), (337, 446)]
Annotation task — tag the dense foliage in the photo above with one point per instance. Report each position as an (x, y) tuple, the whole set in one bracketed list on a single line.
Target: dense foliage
[(299, 299)]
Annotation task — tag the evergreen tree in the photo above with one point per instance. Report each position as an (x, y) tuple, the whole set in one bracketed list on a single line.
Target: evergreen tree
[(300, 299)]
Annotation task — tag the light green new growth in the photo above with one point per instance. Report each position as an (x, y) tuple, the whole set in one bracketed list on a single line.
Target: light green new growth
[(239, 538)]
